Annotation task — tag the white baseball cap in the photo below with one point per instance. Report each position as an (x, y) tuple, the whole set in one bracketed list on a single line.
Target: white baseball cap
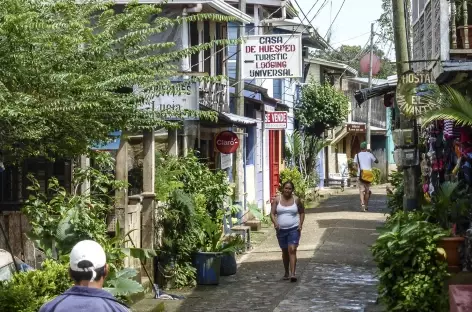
[(87, 250)]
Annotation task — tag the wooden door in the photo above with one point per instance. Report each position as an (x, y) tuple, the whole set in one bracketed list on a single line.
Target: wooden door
[(274, 161)]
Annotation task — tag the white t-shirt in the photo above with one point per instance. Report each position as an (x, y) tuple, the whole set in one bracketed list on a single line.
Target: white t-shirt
[(366, 159)]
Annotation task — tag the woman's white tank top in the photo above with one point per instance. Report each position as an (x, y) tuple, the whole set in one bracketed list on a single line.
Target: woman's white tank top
[(287, 216)]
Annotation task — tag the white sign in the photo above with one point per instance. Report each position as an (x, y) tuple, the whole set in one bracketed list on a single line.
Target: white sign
[(180, 96), (226, 160), (273, 57), (276, 120)]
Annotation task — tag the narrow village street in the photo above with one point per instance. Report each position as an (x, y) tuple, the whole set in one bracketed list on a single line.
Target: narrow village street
[(335, 269)]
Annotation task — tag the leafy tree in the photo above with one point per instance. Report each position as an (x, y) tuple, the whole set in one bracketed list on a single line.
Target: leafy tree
[(301, 152), (351, 55), (321, 107), (68, 71), (385, 22)]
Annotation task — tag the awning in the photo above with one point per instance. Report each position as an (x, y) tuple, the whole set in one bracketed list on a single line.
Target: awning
[(238, 120), (368, 93), (343, 133), (111, 146)]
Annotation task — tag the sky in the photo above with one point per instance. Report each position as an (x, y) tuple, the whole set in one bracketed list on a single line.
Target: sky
[(352, 26)]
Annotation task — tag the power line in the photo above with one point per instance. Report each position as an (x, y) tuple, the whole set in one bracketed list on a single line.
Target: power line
[(334, 20), (351, 38)]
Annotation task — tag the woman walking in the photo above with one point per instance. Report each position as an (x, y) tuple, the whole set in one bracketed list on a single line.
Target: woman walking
[(288, 214)]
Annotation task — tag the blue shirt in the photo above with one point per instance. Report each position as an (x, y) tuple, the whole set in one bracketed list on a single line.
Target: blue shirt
[(84, 299)]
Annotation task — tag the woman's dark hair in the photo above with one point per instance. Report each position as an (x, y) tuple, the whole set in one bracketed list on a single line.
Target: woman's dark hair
[(79, 276), (291, 184)]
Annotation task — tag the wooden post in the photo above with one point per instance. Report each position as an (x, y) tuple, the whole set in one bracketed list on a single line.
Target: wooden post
[(148, 209), (121, 174)]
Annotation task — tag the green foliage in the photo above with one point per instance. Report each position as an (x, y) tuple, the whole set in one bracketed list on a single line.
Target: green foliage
[(449, 205), (395, 196), (352, 168), (321, 107), (192, 199), (377, 173), (28, 291), (411, 270), (351, 55), (293, 175), (66, 81), (386, 23), (60, 219), (193, 177), (302, 152)]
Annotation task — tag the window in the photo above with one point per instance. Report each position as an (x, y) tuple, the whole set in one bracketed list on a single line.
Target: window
[(233, 49), (278, 88)]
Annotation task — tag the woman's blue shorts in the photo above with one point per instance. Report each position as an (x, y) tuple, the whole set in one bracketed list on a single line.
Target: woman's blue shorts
[(288, 237)]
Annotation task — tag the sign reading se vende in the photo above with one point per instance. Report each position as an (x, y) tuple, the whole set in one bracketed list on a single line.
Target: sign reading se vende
[(226, 142), (273, 56), (276, 120)]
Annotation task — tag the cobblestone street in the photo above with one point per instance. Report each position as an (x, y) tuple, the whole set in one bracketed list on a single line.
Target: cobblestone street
[(335, 269)]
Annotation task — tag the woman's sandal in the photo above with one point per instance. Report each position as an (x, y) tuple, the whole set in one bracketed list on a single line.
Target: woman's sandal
[(293, 279), (285, 278)]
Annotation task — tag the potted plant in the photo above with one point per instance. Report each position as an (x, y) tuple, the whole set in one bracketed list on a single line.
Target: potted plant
[(213, 247), (448, 208)]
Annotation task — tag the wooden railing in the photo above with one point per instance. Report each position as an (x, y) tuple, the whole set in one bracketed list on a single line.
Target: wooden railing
[(461, 42), (441, 33)]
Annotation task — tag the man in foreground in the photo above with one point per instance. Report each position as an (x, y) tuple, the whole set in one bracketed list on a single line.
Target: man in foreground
[(364, 161), (88, 269)]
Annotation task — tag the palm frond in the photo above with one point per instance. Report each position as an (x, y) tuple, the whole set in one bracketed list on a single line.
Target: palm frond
[(449, 103)]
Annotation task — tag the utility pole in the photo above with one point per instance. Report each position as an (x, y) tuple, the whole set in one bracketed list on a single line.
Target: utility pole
[(411, 177), (369, 105), (238, 170)]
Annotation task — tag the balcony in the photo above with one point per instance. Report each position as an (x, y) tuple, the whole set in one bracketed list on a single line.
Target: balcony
[(213, 95), (441, 35)]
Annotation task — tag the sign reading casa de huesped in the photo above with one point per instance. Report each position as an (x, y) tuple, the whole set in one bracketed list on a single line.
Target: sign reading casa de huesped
[(272, 57)]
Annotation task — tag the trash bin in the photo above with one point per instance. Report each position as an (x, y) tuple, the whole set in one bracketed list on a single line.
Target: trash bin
[(208, 265)]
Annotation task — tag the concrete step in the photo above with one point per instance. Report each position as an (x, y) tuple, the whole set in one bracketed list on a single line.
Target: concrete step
[(255, 225)]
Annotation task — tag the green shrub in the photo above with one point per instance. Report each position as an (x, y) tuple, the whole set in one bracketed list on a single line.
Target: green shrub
[(411, 269), (395, 197), (292, 174), (28, 291), (377, 173), (192, 196)]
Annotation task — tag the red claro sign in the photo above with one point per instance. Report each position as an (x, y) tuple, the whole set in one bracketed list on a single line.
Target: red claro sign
[(227, 142)]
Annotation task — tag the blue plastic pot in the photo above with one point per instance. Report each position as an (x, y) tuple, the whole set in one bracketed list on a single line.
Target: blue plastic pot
[(208, 265), (228, 264)]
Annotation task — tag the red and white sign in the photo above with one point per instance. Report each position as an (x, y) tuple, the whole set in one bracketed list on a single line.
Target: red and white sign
[(227, 142), (276, 120), (273, 56)]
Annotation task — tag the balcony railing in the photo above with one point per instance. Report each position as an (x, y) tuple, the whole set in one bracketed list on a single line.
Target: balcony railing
[(460, 37), (214, 96), (440, 33)]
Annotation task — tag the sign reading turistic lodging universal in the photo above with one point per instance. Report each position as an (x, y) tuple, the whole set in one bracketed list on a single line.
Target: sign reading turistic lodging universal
[(273, 57)]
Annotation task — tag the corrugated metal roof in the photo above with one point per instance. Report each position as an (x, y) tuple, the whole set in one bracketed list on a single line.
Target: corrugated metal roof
[(241, 120), (375, 81)]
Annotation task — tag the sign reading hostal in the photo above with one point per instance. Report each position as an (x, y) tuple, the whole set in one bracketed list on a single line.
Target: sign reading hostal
[(226, 142), (273, 57), (276, 120)]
